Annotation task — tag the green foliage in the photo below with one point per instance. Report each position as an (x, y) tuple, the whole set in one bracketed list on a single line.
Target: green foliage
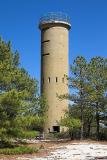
[(19, 101), (43, 105), (97, 76), (29, 134), (88, 84), (58, 135), (71, 123), (31, 122), (18, 150)]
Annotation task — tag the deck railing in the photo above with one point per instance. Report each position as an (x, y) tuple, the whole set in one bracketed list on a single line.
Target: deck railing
[(51, 17)]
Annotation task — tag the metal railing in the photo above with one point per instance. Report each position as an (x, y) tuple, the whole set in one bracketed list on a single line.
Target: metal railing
[(50, 17)]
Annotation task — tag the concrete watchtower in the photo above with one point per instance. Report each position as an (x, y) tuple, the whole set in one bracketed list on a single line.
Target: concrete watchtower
[(54, 64)]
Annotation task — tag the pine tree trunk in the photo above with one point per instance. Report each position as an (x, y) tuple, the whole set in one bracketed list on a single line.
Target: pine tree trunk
[(88, 134), (97, 122), (82, 123), (89, 126)]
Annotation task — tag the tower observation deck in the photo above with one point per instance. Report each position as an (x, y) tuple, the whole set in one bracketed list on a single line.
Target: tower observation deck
[(54, 65), (54, 18)]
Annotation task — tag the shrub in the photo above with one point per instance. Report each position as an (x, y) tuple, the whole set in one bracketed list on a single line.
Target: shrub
[(58, 135), (71, 123), (29, 134), (18, 150)]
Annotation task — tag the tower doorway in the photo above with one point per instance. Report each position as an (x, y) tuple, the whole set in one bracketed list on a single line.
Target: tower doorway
[(56, 128)]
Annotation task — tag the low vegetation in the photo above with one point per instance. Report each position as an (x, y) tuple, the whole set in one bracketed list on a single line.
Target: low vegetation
[(18, 150), (73, 124)]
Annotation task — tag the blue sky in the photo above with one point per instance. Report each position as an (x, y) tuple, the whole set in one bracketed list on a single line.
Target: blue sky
[(19, 23)]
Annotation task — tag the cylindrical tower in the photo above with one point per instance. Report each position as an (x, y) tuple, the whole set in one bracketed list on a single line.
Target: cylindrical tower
[(54, 64)]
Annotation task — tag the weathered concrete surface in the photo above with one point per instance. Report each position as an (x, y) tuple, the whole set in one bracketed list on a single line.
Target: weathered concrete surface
[(54, 64)]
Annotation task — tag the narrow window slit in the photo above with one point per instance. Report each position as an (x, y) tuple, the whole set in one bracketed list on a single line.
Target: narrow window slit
[(45, 41), (49, 79), (46, 54), (56, 79)]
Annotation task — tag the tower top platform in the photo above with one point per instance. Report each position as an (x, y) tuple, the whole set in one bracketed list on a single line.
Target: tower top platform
[(54, 19)]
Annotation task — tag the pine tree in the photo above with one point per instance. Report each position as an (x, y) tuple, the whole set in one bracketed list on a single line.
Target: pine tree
[(18, 94)]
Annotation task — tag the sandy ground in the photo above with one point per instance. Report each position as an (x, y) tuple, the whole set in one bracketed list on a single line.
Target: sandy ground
[(75, 151), (85, 150)]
